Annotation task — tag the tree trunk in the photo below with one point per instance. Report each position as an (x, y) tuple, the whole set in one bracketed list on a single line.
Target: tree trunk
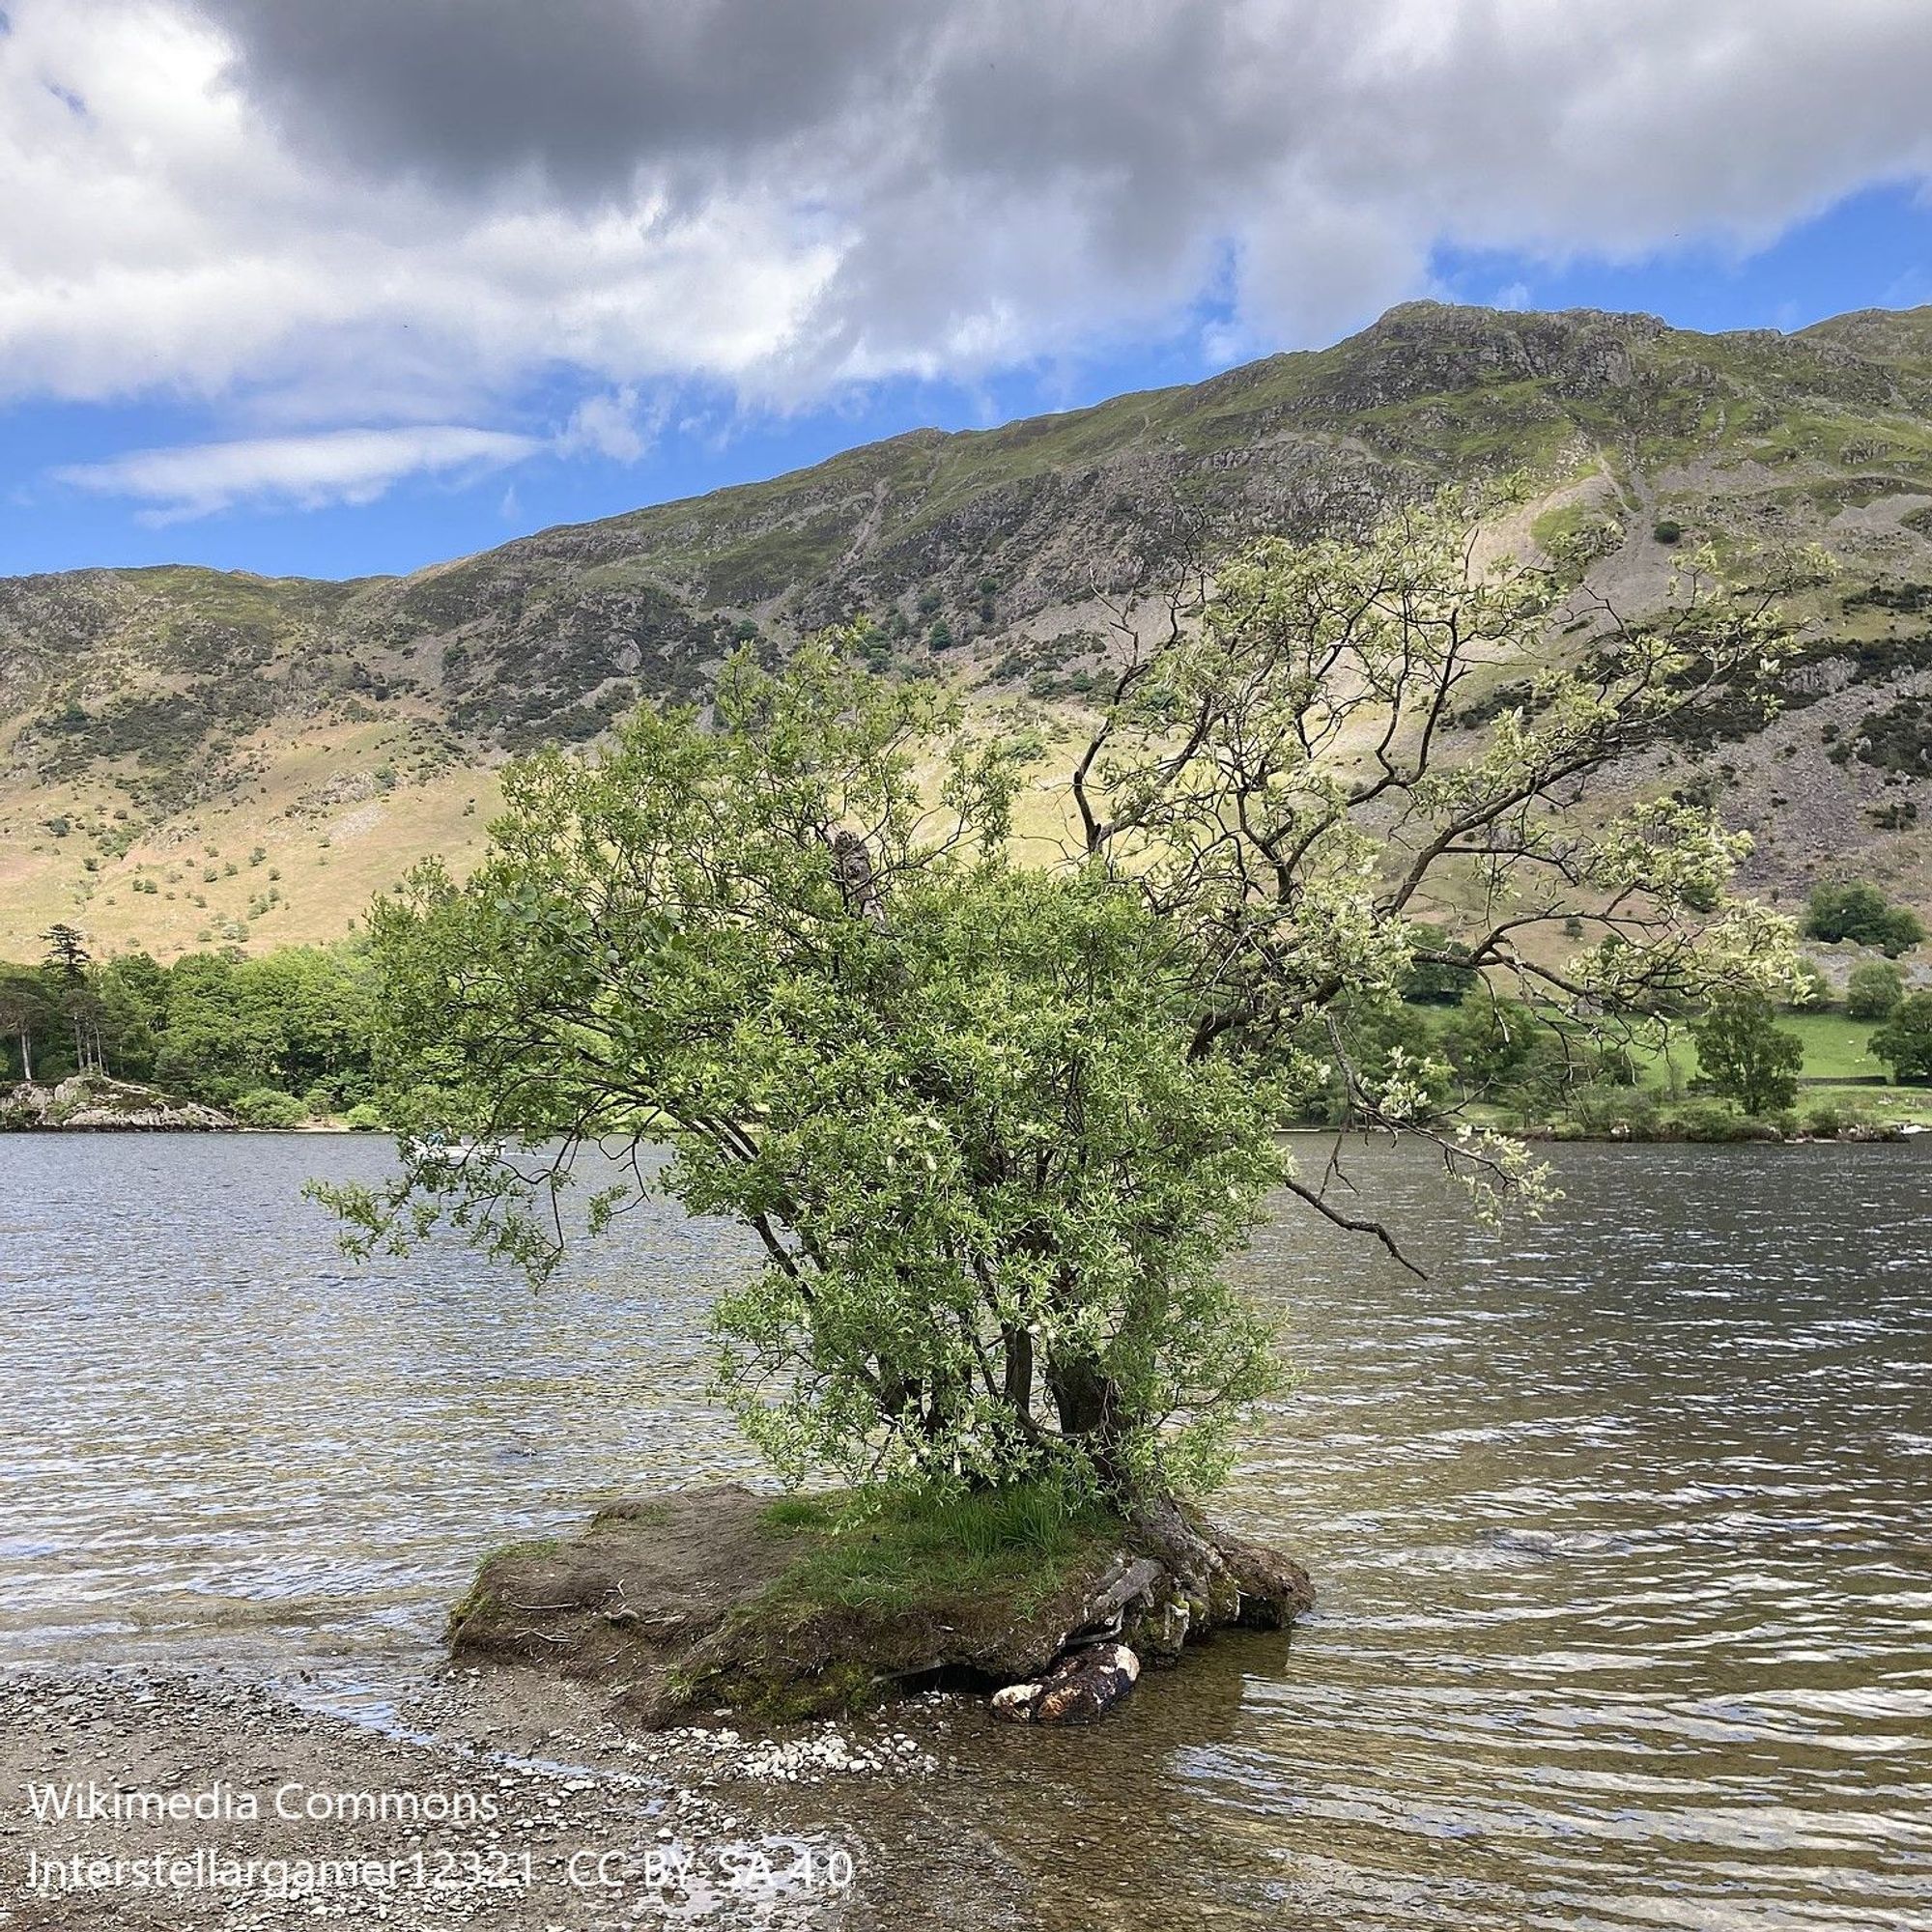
[(1085, 1399), (1017, 1389)]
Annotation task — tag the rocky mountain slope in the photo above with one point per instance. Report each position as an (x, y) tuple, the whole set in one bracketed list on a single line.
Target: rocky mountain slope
[(190, 756)]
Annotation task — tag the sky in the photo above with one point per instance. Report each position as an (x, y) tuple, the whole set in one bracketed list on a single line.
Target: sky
[(345, 288)]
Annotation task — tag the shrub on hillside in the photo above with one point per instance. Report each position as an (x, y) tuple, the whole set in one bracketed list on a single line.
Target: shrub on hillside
[(1862, 916)]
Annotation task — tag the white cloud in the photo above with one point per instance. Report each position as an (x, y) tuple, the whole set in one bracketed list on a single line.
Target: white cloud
[(352, 466), (614, 425), (410, 210)]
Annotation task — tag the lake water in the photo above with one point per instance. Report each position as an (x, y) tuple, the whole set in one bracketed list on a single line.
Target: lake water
[(1620, 1527)]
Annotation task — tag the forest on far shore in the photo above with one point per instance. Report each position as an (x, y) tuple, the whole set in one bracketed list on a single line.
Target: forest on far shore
[(286, 1037), (274, 1040)]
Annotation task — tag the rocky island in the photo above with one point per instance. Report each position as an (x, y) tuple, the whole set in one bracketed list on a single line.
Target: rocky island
[(94, 1102), (785, 1608)]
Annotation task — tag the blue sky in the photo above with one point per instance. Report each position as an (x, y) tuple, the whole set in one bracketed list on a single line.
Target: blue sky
[(268, 300)]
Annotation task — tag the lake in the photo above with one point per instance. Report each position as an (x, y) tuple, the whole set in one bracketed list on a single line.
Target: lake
[(1620, 1525)]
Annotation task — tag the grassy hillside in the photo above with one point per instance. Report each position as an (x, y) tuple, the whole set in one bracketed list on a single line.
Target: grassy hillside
[(188, 757)]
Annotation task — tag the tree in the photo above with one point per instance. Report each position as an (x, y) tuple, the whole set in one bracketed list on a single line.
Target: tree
[(132, 989), (208, 1048), (1862, 916), (1438, 974), (1873, 991), (69, 962), (1905, 1041), (24, 1011), (996, 1122), (293, 1020), (1493, 1045), (66, 956), (1747, 1057)]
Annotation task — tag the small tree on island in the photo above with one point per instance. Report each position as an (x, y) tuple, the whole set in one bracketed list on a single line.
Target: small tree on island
[(998, 1108), (1746, 1055)]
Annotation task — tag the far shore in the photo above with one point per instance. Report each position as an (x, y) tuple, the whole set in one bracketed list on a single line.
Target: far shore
[(1866, 1133)]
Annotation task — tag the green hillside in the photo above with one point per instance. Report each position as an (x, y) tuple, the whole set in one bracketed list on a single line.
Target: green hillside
[(188, 757)]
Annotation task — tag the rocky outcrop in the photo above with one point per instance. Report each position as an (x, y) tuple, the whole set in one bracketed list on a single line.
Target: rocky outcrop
[(93, 1103), (714, 1598)]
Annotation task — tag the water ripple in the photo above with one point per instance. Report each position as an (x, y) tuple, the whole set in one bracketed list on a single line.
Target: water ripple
[(1621, 1534)]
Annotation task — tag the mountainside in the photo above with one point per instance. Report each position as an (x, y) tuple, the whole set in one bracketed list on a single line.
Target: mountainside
[(190, 756)]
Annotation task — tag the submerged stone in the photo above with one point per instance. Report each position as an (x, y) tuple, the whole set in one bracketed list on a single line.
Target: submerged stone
[(1085, 1683)]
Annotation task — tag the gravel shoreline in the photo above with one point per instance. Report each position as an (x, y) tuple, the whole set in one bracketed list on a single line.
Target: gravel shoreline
[(201, 1800)]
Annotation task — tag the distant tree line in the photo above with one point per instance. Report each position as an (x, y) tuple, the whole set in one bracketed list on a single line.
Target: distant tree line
[(286, 1037), (275, 1039), (1464, 1043)]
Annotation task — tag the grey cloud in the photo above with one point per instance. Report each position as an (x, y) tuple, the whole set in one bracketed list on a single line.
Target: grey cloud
[(787, 195), (1069, 157), (583, 90)]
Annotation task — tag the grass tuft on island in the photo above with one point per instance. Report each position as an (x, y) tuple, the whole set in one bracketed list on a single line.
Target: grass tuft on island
[(809, 1606), (898, 1550)]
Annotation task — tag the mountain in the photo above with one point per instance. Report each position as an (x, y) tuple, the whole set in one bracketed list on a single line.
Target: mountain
[(193, 757)]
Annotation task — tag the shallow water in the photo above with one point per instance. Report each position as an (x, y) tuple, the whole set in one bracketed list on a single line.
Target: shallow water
[(1620, 1529)]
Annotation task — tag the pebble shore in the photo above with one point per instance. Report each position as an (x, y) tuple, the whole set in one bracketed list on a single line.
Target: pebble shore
[(562, 1821)]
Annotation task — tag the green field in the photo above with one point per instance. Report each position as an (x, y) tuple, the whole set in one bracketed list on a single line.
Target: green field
[(1837, 1049)]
